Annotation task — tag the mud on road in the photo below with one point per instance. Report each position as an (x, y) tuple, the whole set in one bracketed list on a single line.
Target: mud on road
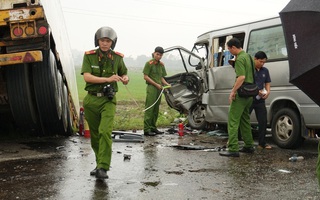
[(58, 168)]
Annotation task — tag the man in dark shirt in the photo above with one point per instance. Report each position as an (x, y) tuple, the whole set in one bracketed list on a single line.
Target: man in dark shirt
[(262, 79)]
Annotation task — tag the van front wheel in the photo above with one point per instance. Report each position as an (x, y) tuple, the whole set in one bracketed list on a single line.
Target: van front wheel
[(196, 117), (286, 129)]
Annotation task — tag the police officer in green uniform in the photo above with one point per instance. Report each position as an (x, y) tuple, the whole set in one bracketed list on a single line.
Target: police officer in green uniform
[(102, 69), (239, 117), (153, 71)]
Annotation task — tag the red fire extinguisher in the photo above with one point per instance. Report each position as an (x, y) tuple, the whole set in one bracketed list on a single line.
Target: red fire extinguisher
[(181, 127)]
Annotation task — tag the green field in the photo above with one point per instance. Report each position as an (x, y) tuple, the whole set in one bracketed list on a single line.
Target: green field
[(134, 90), (130, 103)]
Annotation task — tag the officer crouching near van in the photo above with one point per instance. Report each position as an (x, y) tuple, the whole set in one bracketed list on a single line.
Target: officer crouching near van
[(102, 69)]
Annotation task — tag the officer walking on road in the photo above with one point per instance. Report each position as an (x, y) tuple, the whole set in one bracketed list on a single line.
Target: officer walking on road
[(153, 72), (102, 68)]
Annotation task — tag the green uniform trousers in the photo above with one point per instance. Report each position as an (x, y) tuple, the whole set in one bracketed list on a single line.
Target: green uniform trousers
[(239, 118), (151, 115), (99, 113)]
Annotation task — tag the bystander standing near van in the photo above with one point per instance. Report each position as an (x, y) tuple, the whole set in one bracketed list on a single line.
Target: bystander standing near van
[(263, 80)]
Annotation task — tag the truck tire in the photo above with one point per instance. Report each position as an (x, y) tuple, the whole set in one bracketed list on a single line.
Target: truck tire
[(62, 124), (47, 92), (286, 128), (196, 117), (66, 117), (21, 98)]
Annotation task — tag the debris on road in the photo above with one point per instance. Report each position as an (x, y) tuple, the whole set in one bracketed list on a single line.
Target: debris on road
[(126, 157), (124, 136)]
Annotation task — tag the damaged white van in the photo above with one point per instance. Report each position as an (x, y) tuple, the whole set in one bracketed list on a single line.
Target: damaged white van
[(203, 79)]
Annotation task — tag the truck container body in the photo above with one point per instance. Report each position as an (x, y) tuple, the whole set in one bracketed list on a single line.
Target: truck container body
[(38, 89)]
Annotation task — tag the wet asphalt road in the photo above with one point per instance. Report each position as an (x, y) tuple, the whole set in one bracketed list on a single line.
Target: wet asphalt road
[(58, 168)]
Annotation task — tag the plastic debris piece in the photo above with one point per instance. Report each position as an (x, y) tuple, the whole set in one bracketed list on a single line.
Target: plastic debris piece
[(126, 157), (218, 133), (59, 147)]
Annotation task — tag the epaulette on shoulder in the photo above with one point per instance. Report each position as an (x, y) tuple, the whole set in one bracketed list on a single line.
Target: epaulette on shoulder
[(119, 54), (150, 62), (90, 52)]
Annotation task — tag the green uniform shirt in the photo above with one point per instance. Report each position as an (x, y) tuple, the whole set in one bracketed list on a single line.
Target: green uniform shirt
[(155, 70), (243, 66), (102, 64)]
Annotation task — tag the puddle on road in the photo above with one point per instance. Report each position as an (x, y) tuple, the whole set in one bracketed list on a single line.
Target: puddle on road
[(155, 168), (45, 145)]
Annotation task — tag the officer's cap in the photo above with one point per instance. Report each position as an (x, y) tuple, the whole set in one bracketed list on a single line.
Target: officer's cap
[(159, 50)]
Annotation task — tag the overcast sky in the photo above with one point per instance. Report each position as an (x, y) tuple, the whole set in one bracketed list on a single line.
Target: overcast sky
[(141, 25)]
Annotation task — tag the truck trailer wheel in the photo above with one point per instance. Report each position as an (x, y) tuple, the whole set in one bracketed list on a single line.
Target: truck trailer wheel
[(66, 117), (48, 92), (21, 99), (286, 128), (196, 117)]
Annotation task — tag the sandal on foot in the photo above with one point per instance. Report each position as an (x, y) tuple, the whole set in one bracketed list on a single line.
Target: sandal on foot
[(267, 147), (260, 147)]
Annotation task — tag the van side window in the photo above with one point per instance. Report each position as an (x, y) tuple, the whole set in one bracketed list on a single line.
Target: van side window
[(219, 50), (270, 40)]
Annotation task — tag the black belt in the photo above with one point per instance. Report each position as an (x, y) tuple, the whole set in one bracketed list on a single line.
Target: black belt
[(98, 94)]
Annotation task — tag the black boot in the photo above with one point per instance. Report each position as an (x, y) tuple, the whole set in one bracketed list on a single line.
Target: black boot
[(93, 172), (101, 173)]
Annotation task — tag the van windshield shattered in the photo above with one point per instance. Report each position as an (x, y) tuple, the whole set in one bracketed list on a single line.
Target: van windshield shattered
[(181, 60)]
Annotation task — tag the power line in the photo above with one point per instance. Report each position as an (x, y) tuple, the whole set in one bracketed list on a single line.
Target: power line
[(131, 17)]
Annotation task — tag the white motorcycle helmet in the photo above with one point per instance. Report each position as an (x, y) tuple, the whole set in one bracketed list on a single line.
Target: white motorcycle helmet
[(105, 32)]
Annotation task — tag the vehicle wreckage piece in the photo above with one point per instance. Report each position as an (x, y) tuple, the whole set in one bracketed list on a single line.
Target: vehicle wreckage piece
[(123, 136)]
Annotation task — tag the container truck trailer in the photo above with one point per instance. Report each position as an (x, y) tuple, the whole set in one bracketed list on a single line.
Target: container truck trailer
[(38, 89)]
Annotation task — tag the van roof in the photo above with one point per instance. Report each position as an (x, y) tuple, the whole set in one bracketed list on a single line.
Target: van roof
[(237, 26)]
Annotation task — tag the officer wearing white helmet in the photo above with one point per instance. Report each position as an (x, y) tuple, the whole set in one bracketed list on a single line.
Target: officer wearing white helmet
[(102, 68)]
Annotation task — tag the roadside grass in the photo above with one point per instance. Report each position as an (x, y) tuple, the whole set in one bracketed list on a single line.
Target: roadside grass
[(130, 103)]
